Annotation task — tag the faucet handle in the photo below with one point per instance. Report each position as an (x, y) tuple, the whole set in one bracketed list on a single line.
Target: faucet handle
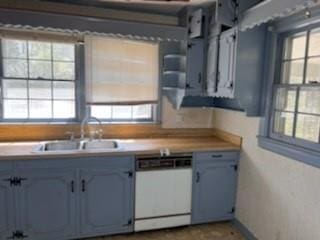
[(70, 134), (100, 133)]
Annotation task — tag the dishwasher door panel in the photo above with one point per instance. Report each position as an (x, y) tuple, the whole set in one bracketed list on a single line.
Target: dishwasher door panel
[(163, 193)]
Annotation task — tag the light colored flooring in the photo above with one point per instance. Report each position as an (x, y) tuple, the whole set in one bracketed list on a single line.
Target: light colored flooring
[(214, 231)]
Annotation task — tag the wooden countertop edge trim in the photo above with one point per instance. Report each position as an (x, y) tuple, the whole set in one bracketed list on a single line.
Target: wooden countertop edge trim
[(36, 156), (228, 137)]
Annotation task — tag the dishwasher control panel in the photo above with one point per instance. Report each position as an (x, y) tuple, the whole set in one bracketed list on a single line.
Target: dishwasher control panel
[(156, 162)]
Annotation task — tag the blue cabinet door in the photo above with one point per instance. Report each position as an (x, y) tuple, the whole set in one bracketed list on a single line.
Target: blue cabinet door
[(227, 64), (106, 201), (6, 206), (214, 190), (46, 202)]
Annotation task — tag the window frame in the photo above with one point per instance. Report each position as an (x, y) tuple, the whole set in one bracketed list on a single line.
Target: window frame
[(277, 84), (41, 120), (153, 119), (296, 149), (81, 108)]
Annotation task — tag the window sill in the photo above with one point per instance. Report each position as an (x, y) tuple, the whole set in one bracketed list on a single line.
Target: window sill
[(301, 154)]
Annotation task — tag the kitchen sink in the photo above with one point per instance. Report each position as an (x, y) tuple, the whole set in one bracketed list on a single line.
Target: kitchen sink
[(63, 145), (77, 145), (102, 144)]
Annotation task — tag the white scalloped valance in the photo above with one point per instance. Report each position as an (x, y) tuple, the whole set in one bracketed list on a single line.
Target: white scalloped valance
[(269, 10)]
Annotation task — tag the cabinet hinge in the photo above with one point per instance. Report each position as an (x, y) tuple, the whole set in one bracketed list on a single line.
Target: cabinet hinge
[(129, 223), (15, 181), (17, 235), (130, 173), (233, 210)]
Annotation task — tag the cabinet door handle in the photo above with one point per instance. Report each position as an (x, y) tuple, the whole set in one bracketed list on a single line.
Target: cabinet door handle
[(217, 155), (83, 185), (197, 177), (72, 186)]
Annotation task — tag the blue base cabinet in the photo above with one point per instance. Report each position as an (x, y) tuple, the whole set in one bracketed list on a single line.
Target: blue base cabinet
[(6, 205), (105, 201), (47, 203), (214, 186), (62, 199)]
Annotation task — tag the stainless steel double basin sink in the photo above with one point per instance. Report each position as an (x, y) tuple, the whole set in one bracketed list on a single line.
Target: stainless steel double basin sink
[(77, 145)]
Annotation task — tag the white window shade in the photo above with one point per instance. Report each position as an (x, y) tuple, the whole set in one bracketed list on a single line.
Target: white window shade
[(121, 71)]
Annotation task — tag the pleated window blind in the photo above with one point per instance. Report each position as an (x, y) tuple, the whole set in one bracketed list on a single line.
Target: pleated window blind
[(120, 71)]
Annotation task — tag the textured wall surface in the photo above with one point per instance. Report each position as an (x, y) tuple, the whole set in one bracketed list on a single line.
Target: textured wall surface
[(185, 117), (278, 198)]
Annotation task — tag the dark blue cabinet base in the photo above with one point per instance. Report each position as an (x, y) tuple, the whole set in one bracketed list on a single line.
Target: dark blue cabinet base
[(64, 199), (214, 186)]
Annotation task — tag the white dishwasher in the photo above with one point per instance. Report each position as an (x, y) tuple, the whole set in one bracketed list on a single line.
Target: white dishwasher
[(163, 191)]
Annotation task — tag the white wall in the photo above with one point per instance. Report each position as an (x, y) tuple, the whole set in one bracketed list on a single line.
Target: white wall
[(278, 198), (185, 117)]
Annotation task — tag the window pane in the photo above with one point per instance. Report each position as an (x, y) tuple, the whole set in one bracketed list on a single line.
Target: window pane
[(15, 68), (292, 72), (314, 44), (63, 52), (295, 46), (40, 69), (142, 111), (14, 88), (313, 70), (283, 123), (63, 90), (309, 100), (14, 48), (64, 109), (39, 50), (308, 127), (40, 89), (103, 112), (40, 109), (285, 99), (15, 109), (63, 70), (121, 112)]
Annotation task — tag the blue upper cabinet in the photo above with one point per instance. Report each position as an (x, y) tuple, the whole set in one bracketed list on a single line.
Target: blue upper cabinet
[(184, 63), (239, 69)]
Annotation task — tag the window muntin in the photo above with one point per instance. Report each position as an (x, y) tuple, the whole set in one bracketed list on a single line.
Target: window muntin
[(296, 105), (38, 80), (125, 113)]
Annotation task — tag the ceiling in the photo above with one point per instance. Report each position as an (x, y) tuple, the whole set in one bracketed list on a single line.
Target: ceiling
[(166, 7)]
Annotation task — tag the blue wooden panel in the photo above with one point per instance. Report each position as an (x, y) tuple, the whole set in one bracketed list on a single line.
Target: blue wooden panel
[(214, 191), (106, 201), (250, 62), (89, 24), (7, 218), (47, 204), (209, 157)]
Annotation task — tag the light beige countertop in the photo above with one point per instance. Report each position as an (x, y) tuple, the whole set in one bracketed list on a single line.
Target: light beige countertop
[(25, 150)]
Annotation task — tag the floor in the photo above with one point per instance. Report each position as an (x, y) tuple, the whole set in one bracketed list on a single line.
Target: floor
[(215, 231)]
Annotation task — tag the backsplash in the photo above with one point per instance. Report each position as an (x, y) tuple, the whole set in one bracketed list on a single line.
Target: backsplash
[(185, 117)]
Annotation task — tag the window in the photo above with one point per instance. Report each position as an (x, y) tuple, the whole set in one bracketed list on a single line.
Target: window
[(122, 113), (122, 78), (38, 80), (296, 102)]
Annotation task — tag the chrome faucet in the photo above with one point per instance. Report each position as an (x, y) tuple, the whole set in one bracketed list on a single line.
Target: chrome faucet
[(86, 121)]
